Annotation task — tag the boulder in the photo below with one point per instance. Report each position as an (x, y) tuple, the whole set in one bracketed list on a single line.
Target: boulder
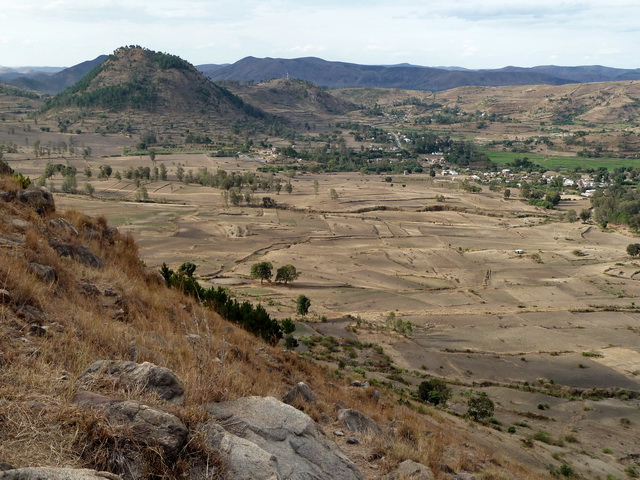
[(300, 447), (79, 253), (410, 470), (244, 459), (39, 198), (463, 476), (301, 392), (63, 225), (46, 473), (43, 272), (132, 376), (139, 423), (357, 422)]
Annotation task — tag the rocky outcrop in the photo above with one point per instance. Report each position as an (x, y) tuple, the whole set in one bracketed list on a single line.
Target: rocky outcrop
[(244, 459), (132, 376), (139, 423), (45, 473), (44, 272), (40, 199), (79, 253), (410, 470), (301, 392), (357, 422), (300, 448)]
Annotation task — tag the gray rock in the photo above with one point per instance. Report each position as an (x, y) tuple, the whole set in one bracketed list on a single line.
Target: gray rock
[(132, 376), (300, 447), (90, 289), (79, 253), (463, 476), (338, 433), (5, 466), (353, 441), (46, 473), (357, 422), (32, 314), (410, 470), (301, 391), (39, 198), (19, 223), (139, 423), (244, 459), (64, 226), (44, 272)]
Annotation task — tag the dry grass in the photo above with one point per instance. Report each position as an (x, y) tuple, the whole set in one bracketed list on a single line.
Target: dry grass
[(215, 360)]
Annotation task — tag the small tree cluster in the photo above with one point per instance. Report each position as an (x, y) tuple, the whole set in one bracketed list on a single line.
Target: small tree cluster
[(264, 271), (403, 327)]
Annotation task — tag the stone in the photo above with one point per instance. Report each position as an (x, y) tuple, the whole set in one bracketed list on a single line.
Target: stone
[(46, 473), (132, 376), (244, 459), (300, 447), (463, 476), (90, 289), (353, 441), (38, 330), (39, 198), (43, 272), (410, 470), (5, 466), (356, 383), (79, 253), (338, 433), (64, 226), (357, 422), (301, 391), (139, 423), (32, 314)]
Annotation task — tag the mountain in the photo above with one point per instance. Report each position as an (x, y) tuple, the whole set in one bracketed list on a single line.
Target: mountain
[(411, 77), (135, 78), (293, 98), (49, 80)]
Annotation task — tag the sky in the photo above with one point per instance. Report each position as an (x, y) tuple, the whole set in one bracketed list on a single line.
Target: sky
[(467, 33)]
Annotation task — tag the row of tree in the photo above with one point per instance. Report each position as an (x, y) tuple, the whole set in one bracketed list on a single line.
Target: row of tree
[(264, 271)]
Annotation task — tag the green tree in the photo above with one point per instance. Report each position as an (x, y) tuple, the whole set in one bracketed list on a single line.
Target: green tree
[(288, 188), (89, 189), (571, 216), (633, 249), (480, 406), (316, 187), (262, 270), (180, 173), (141, 194), (70, 184), (506, 194), (333, 194), (302, 305), (163, 172), (434, 391), (585, 215), (87, 172), (287, 273), (152, 154)]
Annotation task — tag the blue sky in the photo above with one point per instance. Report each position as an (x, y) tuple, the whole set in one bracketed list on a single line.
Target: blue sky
[(466, 33)]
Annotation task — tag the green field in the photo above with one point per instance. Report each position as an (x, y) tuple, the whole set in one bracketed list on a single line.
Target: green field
[(561, 163)]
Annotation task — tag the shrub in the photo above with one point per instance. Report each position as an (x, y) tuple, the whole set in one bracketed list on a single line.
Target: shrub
[(434, 391), (480, 406)]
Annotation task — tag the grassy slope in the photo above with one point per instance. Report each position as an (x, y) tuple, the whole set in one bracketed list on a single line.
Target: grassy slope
[(38, 374)]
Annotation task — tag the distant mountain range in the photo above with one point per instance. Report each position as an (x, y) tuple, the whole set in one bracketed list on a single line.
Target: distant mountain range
[(329, 74)]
